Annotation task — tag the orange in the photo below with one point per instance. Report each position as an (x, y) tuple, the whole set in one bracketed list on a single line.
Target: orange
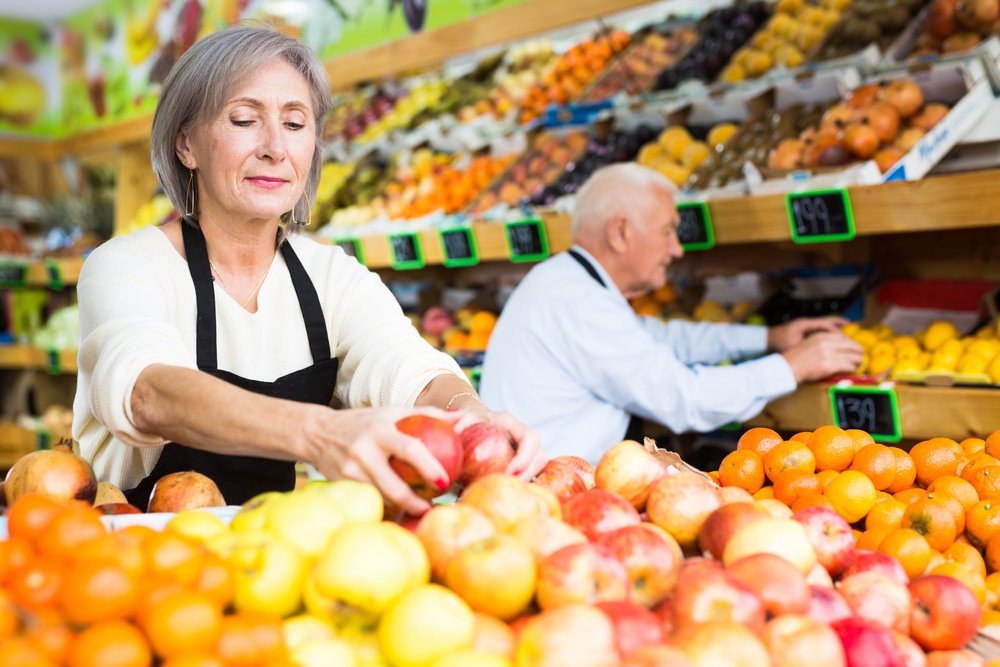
[(935, 458), (801, 436), (832, 447), (860, 438), (825, 477), (52, 640), (957, 488), (186, 622), (216, 581), (877, 463), (992, 446), (871, 539), (853, 495), (968, 556), (811, 500), (906, 471), (120, 548), (955, 507), (69, 530), (933, 520), (151, 593), (976, 583), (36, 585), (882, 496), (171, 557), (193, 660), (986, 482), (973, 446), (990, 617), (992, 589), (249, 639), (15, 553), (857, 535), (787, 456), (936, 559), (714, 474), (794, 484), (992, 555), (743, 469), (909, 548), (18, 652), (885, 516), (982, 522), (96, 591), (765, 493), (111, 644), (31, 515), (10, 619), (759, 441), (975, 463), (910, 496)]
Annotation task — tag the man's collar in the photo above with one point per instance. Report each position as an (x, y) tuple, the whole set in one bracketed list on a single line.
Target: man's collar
[(608, 282)]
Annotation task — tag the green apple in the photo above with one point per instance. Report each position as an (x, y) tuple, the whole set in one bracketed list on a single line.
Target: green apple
[(360, 502), (269, 577), (254, 513)]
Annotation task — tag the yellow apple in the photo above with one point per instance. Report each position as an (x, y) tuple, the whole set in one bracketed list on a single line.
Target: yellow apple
[(303, 629), (254, 513), (306, 521), (472, 659), (495, 576), (782, 537), (197, 525), (269, 577), (324, 653), (426, 623), (360, 502)]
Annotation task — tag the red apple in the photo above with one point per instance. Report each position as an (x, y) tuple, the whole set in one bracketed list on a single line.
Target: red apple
[(575, 635), (724, 644), (818, 576), (827, 605), (485, 449), (581, 467), (649, 561), (545, 535), (584, 573), (913, 655), (560, 479), (725, 522), (878, 598), (780, 585), (548, 504), (598, 511), (491, 635), (715, 596), (665, 612), (494, 576), (867, 644), (952, 659), (946, 614), (630, 471), (407, 521), (697, 565), (831, 537), (657, 656), (447, 529), (503, 498), (798, 641), (866, 560), (680, 504), (442, 442), (117, 508), (635, 626)]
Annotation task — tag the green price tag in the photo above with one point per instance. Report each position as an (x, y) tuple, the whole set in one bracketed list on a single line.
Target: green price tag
[(820, 216), (406, 251), (695, 231), (526, 241), (475, 375), (458, 247), (13, 274), (53, 362), (54, 270), (353, 248), (43, 439), (871, 409)]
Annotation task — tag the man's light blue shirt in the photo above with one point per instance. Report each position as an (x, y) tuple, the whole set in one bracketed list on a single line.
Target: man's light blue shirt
[(573, 361)]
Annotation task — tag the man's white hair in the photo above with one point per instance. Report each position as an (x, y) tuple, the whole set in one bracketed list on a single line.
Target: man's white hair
[(625, 189)]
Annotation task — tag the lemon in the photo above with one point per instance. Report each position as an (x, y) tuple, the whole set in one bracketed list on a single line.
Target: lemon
[(694, 154), (866, 338), (720, 134), (732, 74), (883, 331), (994, 370), (905, 366), (674, 172), (879, 365), (883, 348), (671, 134), (758, 63), (789, 56), (908, 352), (863, 367), (938, 334), (649, 153), (899, 342), (851, 328), (973, 363), (427, 623), (472, 659), (678, 144), (987, 348), (200, 526), (951, 348)]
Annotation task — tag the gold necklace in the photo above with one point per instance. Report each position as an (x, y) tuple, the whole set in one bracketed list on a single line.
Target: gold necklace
[(256, 287)]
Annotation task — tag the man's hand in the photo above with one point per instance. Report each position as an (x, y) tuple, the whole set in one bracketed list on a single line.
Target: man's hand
[(822, 355), (786, 336)]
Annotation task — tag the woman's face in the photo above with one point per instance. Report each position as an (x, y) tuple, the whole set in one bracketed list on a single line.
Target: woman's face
[(253, 160)]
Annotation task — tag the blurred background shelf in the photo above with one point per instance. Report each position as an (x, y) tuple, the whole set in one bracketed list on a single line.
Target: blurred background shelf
[(36, 358)]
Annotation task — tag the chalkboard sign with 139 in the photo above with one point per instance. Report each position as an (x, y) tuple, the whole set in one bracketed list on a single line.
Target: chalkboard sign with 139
[(526, 241), (820, 216), (406, 251), (695, 228), (874, 410), (458, 247)]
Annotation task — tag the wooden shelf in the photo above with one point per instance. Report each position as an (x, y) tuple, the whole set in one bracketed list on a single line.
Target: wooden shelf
[(925, 412), (15, 442), (39, 274), (36, 358)]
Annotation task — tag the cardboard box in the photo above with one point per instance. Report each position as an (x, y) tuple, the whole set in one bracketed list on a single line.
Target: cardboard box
[(979, 149)]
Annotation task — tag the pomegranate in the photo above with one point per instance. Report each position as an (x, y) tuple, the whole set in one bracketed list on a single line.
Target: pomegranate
[(942, 19), (861, 140), (117, 508), (786, 155), (108, 493), (182, 491), (442, 442), (882, 118), (908, 138), (825, 151), (960, 41), (887, 157), (485, 450), (975, 14), (837, 117), (863, 96), (903, 94), (929, 116), (60, 475)]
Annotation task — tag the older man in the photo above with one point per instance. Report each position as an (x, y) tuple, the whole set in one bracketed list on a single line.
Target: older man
[(571, 359)]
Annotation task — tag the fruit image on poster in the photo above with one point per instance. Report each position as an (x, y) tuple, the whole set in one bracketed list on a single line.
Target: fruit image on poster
[(30, 91)]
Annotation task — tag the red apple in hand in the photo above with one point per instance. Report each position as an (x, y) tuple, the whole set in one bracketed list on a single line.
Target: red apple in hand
[(725, 522), (630, 471), (714, 595), (598, 511), (866, 560), (580, 573), (650, 562), (946, 614), (880, 599), (831, 537), (827, 605), (485, 449), (560, 479), (780, 585), (581, 467), (867, 644), (444, 445), (635, 626)]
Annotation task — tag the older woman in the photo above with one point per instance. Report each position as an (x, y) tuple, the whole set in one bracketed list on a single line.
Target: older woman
[(217, 343)]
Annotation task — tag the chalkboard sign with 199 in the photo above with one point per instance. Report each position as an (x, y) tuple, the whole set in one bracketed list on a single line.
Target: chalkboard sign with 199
[(820, 216)]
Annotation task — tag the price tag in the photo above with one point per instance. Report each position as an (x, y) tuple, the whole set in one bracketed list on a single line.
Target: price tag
[(406, 251), (54, 270), (527, 241), (695, 231), (13, 274), (475, 377), (820, 216), (353, 248), (871, 409), (53, 363), (458, 247)]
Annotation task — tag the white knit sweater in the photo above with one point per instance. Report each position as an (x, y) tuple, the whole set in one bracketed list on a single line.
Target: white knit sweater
[(137, 308)]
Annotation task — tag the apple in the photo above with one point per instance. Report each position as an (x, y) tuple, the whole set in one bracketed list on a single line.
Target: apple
[(545, 535), (427, 622), (680, 504), (725, 522), (584, 573), (494, 576), (407, 521), (714, 595), (304, 629), (597, 511), (650, 562), (782, 537), (724, 644), (630, 471), (665, 612), (666, 537), (830, 535), (827, 605), (253, 515), (952, 659), (575, 634), (866, 560), (799, 641), (306, 521), (548, 503), (697, 564), (320, 652), (776, 508), (360, 502), (268, 576), (581, 467), (503, 498), (485, 450), (117, 508), (733, 494), (913, 655), (779, 584), (867, 644), (878, 598), (560, 479), (946, 614), (657, 656), (818, 576), (635, 626), (442, 442), (492, 635)]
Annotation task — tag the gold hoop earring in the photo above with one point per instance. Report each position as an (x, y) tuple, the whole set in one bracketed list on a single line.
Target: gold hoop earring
[(189, 196)]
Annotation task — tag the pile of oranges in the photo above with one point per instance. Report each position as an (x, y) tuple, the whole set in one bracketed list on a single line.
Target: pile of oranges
[(935, 508), (74, 595), (451, 189)]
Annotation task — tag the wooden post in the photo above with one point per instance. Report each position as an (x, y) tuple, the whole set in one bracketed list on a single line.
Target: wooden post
[(135, 182)]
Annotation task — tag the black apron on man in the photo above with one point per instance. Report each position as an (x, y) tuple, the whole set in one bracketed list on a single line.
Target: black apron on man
[(240, 478), (634, 431)]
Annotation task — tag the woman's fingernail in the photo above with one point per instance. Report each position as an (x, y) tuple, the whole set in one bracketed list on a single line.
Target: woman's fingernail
[(442, 484), (516, 473)]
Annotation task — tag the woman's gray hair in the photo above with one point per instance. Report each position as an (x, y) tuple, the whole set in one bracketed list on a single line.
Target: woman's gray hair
[(199, 86)]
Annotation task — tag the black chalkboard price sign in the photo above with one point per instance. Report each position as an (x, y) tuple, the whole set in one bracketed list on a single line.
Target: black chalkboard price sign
[(871, 409), (458, 247), (353, 248), (820, 216), (695, 229), (406, 251), (13, 274), (526, 241)]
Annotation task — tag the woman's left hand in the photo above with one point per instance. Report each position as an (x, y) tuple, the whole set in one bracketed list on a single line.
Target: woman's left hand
[(529, 459)]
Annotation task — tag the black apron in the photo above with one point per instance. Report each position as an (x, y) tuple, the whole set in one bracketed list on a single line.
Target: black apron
[(634, 431), (240, 478)]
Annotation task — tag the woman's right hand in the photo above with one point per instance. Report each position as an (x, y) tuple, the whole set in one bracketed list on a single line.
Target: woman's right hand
[(357, 444)]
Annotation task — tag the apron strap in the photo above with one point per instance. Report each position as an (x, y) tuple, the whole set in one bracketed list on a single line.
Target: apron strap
[(312, 311), (201, 274), (587, 266)]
